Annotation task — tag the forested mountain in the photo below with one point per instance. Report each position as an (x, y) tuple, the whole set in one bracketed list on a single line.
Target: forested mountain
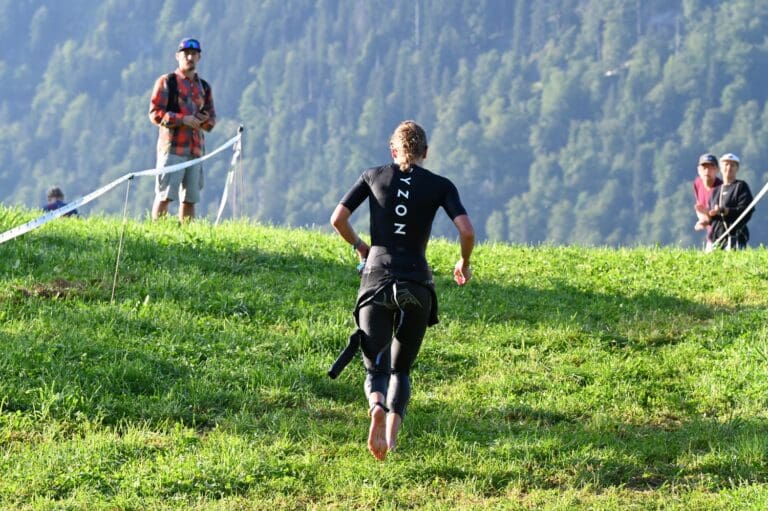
[(570, 121)]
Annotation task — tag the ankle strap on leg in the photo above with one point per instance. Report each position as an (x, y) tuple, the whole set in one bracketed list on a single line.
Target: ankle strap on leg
[(374, 405)]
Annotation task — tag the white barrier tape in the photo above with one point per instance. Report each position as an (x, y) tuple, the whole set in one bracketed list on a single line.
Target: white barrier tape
[(53, 215), (225, 193), (229, 180), (742, 215), (179, 166)]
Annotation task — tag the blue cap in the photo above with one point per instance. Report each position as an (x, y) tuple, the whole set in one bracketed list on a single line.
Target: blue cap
[(189, 44), (708, 159)]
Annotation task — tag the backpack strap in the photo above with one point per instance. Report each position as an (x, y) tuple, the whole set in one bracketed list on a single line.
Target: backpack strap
[(173, 91), (206, 92), (206, 88)]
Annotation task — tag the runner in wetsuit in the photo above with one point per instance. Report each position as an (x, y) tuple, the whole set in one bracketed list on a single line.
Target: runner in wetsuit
[(396, 301)]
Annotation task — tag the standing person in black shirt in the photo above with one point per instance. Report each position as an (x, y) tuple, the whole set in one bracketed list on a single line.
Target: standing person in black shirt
[(396, 301), (728, 202)]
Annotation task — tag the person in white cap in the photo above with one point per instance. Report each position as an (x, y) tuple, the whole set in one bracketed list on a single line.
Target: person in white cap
[(726, 205)]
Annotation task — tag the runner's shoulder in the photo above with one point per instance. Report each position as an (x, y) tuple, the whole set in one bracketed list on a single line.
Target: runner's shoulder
[(375, 172)]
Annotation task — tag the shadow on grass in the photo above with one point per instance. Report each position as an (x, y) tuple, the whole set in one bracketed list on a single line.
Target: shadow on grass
[(544, 449)]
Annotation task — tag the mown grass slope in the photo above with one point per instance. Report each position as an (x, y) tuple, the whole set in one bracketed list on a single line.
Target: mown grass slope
[(559, 378)]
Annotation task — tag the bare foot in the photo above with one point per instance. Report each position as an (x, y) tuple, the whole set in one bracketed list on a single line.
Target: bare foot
[(377, 439), (393, 427)]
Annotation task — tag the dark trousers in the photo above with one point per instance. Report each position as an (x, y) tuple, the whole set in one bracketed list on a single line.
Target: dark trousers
[(394, 323)]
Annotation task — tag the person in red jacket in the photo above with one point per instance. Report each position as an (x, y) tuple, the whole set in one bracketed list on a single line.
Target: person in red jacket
[(703, 186)]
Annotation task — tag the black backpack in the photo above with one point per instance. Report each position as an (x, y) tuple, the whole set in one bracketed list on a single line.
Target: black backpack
[(173, 91)]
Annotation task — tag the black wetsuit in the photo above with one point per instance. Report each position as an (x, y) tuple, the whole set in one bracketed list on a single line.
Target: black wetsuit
[(396, 301), (735, 197)]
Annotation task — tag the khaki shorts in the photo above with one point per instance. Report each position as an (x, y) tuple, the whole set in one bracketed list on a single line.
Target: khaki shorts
[(183, 184)]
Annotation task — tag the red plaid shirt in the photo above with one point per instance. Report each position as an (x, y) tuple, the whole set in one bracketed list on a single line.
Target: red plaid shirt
[(174, 137)]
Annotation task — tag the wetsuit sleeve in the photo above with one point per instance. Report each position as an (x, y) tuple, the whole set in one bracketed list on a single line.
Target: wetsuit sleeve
[(356, 195), (452, 203)]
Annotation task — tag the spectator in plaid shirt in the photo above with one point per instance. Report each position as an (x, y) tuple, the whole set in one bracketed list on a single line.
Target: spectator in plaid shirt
[(181, 121)]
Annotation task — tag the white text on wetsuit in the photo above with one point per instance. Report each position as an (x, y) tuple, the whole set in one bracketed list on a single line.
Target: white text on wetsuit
[(402, 209)]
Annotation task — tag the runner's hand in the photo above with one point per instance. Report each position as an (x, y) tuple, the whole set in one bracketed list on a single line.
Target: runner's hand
[(462, 272)]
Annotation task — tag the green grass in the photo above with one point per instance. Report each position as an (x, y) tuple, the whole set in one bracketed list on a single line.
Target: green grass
[(559, 378)]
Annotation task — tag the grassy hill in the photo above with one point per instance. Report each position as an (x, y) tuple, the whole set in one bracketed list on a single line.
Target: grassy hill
[(560, 378)]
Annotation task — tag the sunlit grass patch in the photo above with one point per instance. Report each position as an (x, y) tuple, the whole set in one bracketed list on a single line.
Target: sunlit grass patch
[(559, 378)]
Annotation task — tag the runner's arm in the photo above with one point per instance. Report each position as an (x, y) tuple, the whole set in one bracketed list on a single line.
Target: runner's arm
[(462, 272), (340, 222)]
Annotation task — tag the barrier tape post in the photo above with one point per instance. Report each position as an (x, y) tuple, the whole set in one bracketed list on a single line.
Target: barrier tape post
[(237, 154), (120, 243)]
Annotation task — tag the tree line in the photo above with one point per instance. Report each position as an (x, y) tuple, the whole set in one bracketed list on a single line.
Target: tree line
[(565, 122)]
